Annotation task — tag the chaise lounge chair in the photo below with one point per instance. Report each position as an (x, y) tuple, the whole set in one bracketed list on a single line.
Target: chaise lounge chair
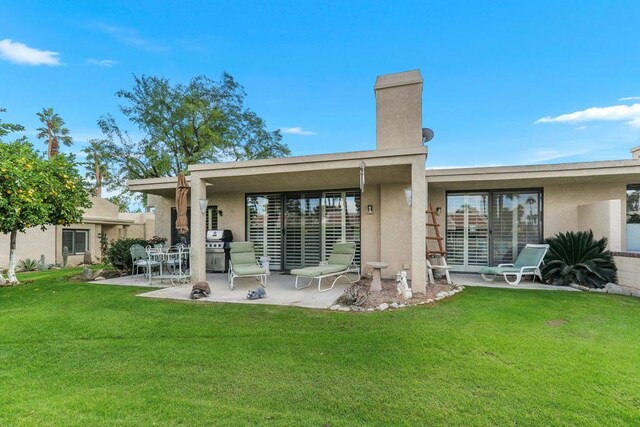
[(527, 264), (340, 263), (242, 263)]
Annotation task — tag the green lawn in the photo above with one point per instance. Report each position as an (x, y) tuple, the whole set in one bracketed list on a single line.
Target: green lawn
[(82, 354)]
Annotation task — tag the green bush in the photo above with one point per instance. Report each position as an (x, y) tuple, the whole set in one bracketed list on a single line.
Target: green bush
[(118, 254), (577, 258)]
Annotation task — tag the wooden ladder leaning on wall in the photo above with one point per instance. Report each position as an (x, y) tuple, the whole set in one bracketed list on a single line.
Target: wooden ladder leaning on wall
[(441, 253)]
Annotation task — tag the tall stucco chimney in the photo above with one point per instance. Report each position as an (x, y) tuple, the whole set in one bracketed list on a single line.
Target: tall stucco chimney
[(399, 110), (635, 153)]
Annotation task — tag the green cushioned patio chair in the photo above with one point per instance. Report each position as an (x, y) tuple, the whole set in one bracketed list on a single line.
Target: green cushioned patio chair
[(243, 263), (527, 264), (340, 263)]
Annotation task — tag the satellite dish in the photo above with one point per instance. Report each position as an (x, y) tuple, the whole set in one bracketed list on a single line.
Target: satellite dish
[(427, 135)]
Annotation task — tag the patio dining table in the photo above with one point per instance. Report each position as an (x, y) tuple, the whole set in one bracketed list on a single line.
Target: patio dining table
[(174, 264)]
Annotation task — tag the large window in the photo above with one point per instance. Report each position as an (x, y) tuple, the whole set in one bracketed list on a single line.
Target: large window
[(299, 229), (76, 241), (633, 218), (491, 227)]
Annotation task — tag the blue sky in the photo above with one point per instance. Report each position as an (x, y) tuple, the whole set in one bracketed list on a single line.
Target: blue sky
[(491, 69)]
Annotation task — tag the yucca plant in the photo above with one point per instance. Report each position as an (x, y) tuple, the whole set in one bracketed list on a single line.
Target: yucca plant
[(578, 258), (28, 264)]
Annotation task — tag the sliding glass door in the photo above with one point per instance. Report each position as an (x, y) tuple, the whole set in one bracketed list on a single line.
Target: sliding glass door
[(264, 226), (468, 231), (492, 227), (515, 221), (299, 229), (302, 230)]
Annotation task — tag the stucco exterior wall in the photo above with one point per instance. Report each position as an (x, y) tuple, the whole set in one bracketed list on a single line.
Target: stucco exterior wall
[(395, 229), (562, 203), (628, 271), (162, 207), (604, 219), (370, 226), (31, 244), (233, 218)]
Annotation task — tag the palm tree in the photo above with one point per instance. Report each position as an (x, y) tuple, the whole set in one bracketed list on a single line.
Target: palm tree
[(53, 131), (99, 153)]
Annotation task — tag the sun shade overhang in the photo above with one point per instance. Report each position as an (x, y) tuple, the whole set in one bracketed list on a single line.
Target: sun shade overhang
[(297, 173)]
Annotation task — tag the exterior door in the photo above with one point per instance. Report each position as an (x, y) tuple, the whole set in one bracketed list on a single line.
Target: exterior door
[(302, 240), (340, 220), (491, 228), (468, 231), (264, 226), (515, 221)]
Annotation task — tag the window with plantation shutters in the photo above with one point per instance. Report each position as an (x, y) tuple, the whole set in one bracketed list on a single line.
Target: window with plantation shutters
[(341, 220), (491, 228), (211, 219), (467, 231), (302, 230), (299, 229), (515, 221), (264, 226)]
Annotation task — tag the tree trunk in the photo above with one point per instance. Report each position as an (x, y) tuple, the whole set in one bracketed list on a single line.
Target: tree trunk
[(98, 180), (11, 274)]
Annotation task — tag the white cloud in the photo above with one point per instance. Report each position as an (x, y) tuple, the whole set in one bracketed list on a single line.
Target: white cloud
[(630, 98), (20, 53), (297, 131), (131, 37), (102, 62), (630, 114)]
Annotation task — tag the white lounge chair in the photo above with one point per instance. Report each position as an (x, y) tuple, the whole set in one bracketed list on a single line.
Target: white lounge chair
[(340, 263), (527, 264), (243, 263)]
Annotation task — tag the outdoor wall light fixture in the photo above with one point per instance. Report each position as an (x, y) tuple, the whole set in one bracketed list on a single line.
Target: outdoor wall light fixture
[(438, 210), (409, 195), (370, 209), (220, 213), (203, 206)]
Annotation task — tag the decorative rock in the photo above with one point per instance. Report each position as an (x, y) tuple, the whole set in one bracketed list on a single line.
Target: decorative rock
[(383, 306), (442, 294), (87, 274), (612, 288), (402, 305), (344, 309), (370, 309), (334, 307), (394, 305), (99, 278)]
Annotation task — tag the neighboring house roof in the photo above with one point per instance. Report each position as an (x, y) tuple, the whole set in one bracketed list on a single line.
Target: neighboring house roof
[(104, 220)]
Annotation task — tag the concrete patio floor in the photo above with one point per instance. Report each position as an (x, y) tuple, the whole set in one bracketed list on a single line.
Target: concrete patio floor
[(280, 290)]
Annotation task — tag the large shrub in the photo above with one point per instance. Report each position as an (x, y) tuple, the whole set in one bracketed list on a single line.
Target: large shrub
[(578, 258), (118, 254)]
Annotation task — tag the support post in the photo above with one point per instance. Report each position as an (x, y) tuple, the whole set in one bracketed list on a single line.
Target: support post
[(198, 230), (418, 228)]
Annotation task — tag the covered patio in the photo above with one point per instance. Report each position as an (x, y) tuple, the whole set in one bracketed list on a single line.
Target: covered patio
[(389, 182)]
